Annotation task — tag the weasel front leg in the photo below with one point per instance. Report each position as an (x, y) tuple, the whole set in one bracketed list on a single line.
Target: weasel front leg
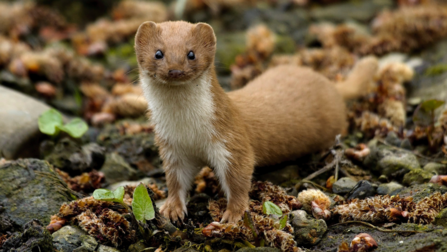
[(235, 180), (179, 178)]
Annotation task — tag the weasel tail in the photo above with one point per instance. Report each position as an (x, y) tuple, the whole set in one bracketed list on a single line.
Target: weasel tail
[(285, 113)]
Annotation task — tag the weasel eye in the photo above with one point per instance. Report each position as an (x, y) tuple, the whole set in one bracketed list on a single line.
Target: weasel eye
[(159, 55), (191, 55)]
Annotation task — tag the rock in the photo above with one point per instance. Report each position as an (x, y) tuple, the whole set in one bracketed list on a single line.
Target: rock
[(74, 159), (71, 238), (145, 181), (362, 190), (436, 168), (393, 139), (391, 188), (360, 11), (396, 164), (417, 176), (137, 247), (418, 192), (35, 237), (260, 249), (137, 148), (307, 231), (430, 238), (116, 169), (18, 124), (343, 185), (103, 248), (441, 218), (31, 189)]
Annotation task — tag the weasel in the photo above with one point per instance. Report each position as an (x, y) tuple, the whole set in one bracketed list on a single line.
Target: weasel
[(285, 113)]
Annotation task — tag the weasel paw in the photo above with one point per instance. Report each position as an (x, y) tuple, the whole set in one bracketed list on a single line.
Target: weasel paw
[(232, 216), (173, 210)]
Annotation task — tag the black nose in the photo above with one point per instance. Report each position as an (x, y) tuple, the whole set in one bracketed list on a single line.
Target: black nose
[(176, 73)]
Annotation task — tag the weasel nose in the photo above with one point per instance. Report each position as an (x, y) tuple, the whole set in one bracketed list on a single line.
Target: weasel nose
[(175, 73)]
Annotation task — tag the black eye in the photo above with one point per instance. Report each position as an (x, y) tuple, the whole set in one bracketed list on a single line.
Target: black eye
[(191, 55), (159, 55)]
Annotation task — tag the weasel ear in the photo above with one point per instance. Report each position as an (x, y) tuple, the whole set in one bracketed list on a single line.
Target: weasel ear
[(143, 38), (205, 34)]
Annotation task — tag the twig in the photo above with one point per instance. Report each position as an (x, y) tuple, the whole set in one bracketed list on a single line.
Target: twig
[(377, 228)]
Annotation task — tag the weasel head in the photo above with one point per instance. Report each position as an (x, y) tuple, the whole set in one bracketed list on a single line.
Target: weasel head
[(174, 53)]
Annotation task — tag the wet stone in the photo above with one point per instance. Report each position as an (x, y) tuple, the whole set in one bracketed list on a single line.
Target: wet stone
[(70, 238), (363, 189), (418, 176), (343, 185), (307, 231), (391, 188), (31, 189)]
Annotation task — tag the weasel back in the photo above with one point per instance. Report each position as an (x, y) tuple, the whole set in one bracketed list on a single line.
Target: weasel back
[(290, 111)]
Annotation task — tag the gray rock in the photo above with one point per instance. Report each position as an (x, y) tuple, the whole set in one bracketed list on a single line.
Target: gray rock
[(307, 231), (145, 181), (31, 189), (103, 248), (343, 185), (74, 159), (362, 190), (70, 238), (417, 176), (360, 11), (116, 169), (260, 249), (18, 122), (397, 164), (35, 237), (389, 188), (393, 139), (436, 168)]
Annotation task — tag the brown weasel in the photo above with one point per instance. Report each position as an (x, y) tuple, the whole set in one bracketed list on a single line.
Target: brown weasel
[(286, 112)]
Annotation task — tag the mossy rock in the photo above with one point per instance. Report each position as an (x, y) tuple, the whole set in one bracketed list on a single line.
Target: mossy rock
[(431, 238), (417, 176), (441, 218), (418, 192), (308, 231), (71, 238), (31, 189), (35, 237)]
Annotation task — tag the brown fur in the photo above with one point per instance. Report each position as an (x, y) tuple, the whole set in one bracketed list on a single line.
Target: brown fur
[(284, 113)]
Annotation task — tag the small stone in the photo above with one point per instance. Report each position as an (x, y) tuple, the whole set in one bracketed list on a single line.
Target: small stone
[(389, 188), (116, 169), (103, 248), (35, 237), (436, 168), (406, 144), (70, 238), (383, 178), (307, 231), (393, 139), (362, 190), (418, 176), (441, 218), (18, 124), (137, 247), (397, 164), (343, 185)]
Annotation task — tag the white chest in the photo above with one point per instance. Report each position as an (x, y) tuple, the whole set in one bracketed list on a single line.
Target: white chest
[(183, 117)]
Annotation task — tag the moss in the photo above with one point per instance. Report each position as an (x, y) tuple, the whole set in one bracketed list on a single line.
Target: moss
[(417, 176), (436, 70)]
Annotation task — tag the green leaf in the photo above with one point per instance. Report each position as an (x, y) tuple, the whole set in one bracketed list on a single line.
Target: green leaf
[(50, 121), (142, 204), (104, 194), (283, 221), (424, 113), (119, 193), (75, 128), (431, 105), (270, 208)]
